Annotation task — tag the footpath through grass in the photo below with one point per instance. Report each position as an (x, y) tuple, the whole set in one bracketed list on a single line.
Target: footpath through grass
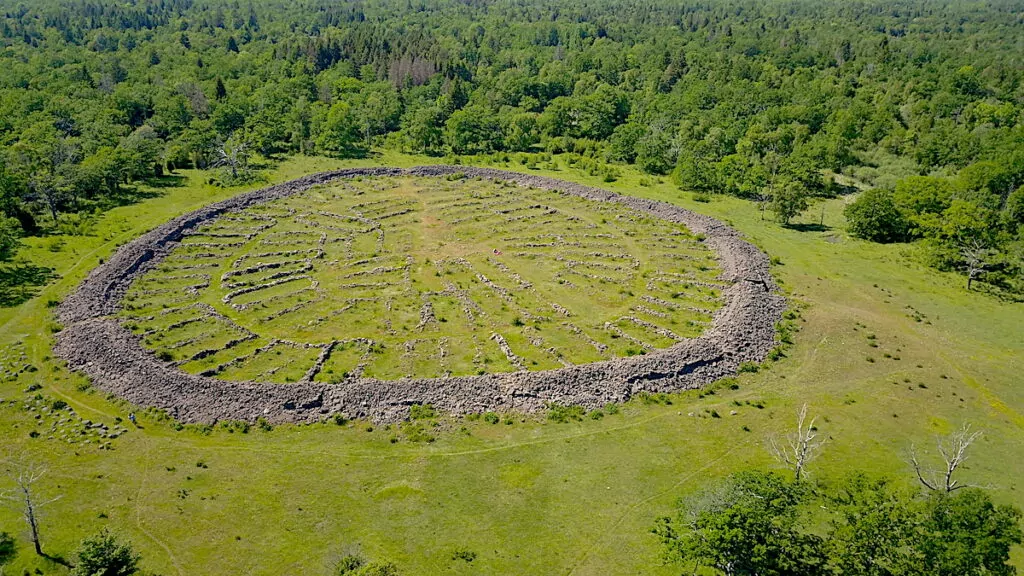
[(888, 353)]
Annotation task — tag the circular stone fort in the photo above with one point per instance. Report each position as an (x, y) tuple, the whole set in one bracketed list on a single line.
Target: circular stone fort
[(366, 291)]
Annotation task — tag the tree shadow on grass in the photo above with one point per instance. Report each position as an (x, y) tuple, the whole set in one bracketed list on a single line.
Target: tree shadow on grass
[(20, 282), (805, 227), (57, 559), (128, 195), (166, 181)]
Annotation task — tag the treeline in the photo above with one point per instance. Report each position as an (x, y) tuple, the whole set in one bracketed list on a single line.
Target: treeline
[(762, 523), (756, 98)]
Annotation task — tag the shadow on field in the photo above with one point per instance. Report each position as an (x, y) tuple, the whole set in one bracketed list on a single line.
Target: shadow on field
[(21, 281), (57, 560), (809, 227), (128, 195), (166, 181)]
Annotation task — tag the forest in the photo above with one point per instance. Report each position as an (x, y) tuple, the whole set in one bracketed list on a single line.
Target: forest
[(917, 105)]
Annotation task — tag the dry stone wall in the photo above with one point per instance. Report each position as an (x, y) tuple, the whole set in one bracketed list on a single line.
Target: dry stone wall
[(95, 343)]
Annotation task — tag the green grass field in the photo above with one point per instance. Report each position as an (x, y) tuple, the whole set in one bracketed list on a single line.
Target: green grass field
[(889, 353), (422, 277)]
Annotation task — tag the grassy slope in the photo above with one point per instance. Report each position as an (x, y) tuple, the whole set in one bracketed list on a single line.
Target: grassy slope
[(533, 497)]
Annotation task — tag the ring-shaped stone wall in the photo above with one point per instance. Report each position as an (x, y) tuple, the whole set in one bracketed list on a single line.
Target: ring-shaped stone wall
[(94, 342)]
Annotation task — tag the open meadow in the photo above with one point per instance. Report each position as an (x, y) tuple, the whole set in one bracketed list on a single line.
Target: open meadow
[(888, 353)]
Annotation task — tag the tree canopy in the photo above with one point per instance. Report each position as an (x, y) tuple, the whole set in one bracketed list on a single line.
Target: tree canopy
[(739, 97), (758, 523)]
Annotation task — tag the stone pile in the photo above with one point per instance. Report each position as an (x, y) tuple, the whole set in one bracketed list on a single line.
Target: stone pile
[(94, 342)]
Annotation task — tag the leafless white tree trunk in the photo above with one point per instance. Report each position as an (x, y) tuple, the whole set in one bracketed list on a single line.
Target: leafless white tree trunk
[(953, 451), (799, 447), (976, 257), (24, 496), (234, 154)]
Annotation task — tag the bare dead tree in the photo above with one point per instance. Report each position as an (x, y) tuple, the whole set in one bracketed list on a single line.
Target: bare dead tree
[(953, 451), (799, 447), (976, 255), (25, 498), (233, 154)]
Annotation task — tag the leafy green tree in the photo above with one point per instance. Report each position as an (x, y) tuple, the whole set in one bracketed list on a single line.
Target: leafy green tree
[(339, 132), (1015, 207), (520, 131), (10, 232), (622, 146), (920, 195), (654, 151), (789, 201), (424, 130), (873, 522), (966, 534), (199, 141), (874, 216), (473, 130), (229, 116), (696, 172), (139, 154), (104, 555), (751, 526), (593, 116), (379, 110), (963, 222)]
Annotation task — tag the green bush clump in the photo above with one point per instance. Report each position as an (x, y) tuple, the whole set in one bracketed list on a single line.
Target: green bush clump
[(421, 411), (415, 432), (463, 554), (751, 367), (659, 398), (563, 414)]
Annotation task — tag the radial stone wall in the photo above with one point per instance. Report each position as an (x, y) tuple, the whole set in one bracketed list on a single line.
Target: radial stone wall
[(94, 342)]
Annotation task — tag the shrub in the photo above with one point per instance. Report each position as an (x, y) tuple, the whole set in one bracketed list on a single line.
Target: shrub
[(104, 555), (415, 432), (874, 216), (421, 411), (750, 367), (8, 548), (563, 414), (660, 398), (10, 232), (348, 564), (491, 418), (463, 554)]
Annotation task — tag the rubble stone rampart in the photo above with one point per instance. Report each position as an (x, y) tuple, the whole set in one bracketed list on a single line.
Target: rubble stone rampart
[(95, 343)]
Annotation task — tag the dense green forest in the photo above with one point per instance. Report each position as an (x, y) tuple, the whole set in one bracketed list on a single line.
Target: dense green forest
[(920, 101)]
